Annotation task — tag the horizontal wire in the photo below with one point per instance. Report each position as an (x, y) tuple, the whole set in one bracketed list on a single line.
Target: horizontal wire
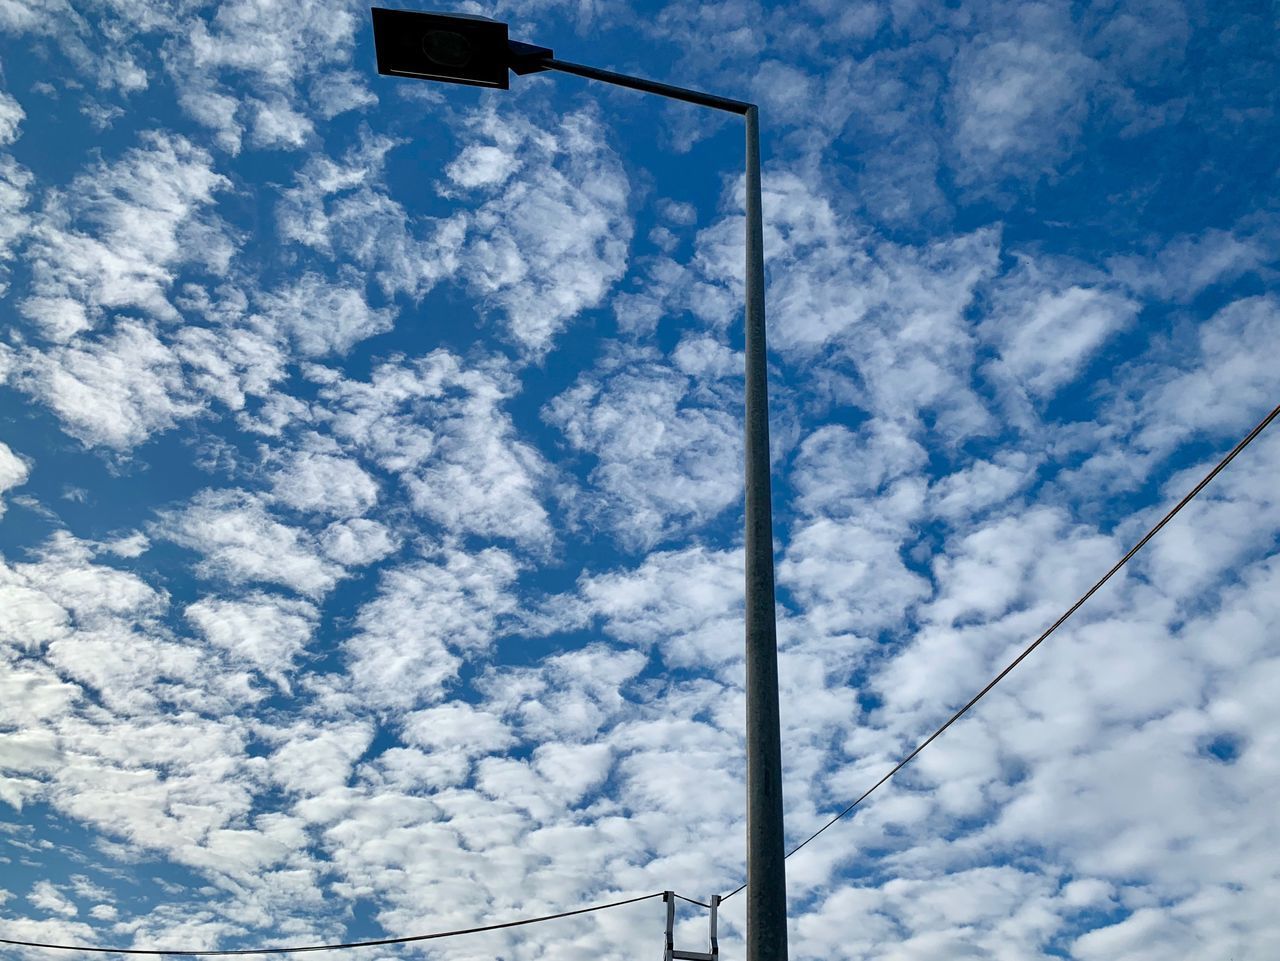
[(700, 904), (1262, 425), (325, 947)]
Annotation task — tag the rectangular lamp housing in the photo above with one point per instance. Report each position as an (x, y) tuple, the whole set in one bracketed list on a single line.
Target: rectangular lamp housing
[(454, 48)]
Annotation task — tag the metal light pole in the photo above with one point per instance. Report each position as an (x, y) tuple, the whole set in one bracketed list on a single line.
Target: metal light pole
[(476, 50)]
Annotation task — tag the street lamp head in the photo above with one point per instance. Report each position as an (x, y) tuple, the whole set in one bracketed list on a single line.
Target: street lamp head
[(453, 47)]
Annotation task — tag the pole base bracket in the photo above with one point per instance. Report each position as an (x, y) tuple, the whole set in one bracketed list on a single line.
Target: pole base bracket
[(670, 953)]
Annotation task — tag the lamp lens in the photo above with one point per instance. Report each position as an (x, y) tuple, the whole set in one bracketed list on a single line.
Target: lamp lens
[(446, 48)]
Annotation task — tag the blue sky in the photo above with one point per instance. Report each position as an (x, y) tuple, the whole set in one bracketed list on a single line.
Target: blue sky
[(370, 554)]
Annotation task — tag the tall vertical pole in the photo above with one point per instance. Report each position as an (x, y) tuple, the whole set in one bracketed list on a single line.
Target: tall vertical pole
[(766, 870), (766, 867)]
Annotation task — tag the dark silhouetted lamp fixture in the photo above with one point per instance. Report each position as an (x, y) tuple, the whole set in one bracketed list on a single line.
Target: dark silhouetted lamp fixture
[(454, 47)]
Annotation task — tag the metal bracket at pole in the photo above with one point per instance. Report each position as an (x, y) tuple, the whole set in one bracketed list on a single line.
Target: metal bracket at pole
[(527, 58), (669, 951)]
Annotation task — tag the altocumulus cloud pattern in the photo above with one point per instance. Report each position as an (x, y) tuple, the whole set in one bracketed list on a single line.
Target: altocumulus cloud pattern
[(370, 551)]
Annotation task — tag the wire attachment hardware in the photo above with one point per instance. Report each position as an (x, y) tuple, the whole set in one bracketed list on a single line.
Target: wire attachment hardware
[(670, 953)]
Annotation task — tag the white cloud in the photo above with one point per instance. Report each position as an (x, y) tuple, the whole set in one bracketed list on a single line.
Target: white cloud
[(1016, 109), (825, 484), (1187, 265), (316, 477), (1047, 328), (781, 88), (686, 602), (560, 197), (457, 725), (880, 326), (302, 214), (483, 165), (11, 117), (342, 210), (277, 124), (115, 390), (115, 239), (15, 182), (33, 693), (101, 116), (85, 888), (311, 760), (98, 626), (439, 425), (208, 55), (1223, 383), (357, 542), (119, 387), (573, 696), (887, 102), (967, 493), (549, 242), (47, 897), (228, 364), (1142, 40), (1232, 522), (1213, 379), (271, 45), (998, 912), (263, 631), (30, 617), (411, 639), (322, 316), (216, 110), (679, 213), (88, 591), (14, 472), (336, 92), (239, 541), (667, 450), (849, 573), (739, 28), (112, 64)]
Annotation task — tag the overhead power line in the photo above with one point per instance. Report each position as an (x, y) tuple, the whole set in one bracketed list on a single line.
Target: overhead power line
[(187, 952), (701, 904), (1191, 495), (1204, 482)]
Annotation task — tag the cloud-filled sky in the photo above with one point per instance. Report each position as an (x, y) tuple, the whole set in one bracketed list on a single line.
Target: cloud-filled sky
[(370, 477)]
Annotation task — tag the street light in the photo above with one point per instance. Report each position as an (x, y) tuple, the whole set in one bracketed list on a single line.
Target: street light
[(460, 48)]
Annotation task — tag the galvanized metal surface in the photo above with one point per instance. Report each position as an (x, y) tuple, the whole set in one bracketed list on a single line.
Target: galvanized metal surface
[(766, 886), (670, 952), (649, 86), (766, 866)]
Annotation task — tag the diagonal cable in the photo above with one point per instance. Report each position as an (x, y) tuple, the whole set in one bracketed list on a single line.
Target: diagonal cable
[(1204, 482), (701, 904), (325, 947)]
